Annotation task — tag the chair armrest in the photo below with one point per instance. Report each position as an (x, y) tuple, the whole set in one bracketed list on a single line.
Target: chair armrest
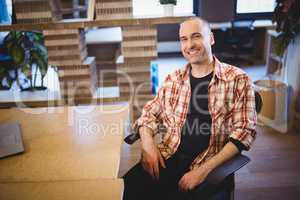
[(220, 173), (130, 139)]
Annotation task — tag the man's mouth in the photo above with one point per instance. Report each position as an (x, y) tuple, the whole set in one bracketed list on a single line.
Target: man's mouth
[(193, 52)]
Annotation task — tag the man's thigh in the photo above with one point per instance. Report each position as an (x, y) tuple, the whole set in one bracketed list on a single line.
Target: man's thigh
[(214, 192), (138, 184)]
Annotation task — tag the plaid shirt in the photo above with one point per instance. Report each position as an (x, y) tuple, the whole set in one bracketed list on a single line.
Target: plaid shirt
[(231, 104)]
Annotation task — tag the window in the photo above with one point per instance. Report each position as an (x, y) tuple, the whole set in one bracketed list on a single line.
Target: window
[(254, 9), (5, 11), (255, 6), (153, 7)]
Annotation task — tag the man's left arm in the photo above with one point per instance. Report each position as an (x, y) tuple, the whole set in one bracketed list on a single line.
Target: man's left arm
[(243, 132)]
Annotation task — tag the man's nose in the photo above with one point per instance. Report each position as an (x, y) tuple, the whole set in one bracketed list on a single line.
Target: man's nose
[(190, 44)]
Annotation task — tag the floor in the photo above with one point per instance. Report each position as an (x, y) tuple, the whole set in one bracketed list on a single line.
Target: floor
[(274, 171)]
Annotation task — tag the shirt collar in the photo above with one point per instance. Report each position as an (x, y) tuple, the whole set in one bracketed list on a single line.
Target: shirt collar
[(219, 70)]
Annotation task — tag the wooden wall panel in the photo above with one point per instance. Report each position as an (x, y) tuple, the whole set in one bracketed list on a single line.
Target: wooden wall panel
[(78, 81), (105, 54), (77, 72), (65, 47), (117, 9), (138, 48), (35, 11)]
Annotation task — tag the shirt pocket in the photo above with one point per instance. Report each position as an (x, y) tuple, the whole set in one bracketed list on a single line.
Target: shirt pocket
[(219, 111)]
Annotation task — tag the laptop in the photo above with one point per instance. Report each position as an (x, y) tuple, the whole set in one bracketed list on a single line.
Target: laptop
[(10, 139)]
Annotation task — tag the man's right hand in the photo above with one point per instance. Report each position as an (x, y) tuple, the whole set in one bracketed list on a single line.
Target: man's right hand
[(151, 157)]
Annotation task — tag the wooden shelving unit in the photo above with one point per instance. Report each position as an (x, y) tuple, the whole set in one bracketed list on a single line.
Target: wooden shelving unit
[(67, 48), (139, 47), (35, 11), (86, 23), (117, 9)]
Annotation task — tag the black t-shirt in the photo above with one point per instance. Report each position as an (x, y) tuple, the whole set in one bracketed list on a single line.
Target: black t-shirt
[(196, 131)]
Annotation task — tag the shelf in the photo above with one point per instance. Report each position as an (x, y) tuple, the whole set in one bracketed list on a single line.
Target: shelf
[(84, 23)]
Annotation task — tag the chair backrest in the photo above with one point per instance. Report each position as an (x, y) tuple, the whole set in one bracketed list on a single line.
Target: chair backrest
[(258, 102)]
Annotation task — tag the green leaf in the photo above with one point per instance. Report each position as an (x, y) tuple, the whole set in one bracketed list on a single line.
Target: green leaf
[(18, 34), (26, 70), (39, 38), (41, 62), (10, 66), (18, 54), (42, 49), (2, 69), (9, 44), (281, 42), (10, 81), (2, 73), (8, 38)]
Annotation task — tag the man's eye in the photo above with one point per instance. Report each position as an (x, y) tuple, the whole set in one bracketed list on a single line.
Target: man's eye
[(197, 36)]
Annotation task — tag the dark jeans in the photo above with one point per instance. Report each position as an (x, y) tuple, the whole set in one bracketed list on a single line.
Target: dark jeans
[(138, 184)]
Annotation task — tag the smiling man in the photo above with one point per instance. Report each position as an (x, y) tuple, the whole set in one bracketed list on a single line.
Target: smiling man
[(208, 109)]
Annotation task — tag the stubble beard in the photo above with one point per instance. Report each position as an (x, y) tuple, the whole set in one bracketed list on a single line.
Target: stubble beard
[(201, 59)]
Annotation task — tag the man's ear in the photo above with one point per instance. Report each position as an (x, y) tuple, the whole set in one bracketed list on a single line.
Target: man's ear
[(212, 38)]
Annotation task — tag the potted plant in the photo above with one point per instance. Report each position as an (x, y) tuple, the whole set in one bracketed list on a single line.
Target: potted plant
[(287, 18), (29, 57), (168, 6)]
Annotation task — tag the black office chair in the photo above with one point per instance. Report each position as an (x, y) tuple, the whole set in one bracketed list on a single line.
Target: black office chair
[(239, 42), (227, 169)]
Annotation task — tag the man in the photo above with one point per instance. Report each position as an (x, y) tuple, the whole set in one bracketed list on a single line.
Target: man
[(202, 133)]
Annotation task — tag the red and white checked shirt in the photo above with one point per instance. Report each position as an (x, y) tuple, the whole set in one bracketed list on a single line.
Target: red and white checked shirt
[(231, 104)]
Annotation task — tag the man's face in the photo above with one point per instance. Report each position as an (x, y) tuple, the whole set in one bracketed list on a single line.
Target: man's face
[(196, 40)]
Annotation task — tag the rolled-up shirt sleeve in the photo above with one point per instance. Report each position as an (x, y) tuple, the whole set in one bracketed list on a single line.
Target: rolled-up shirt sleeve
[(151, 113), (240, 146), (244, 114)]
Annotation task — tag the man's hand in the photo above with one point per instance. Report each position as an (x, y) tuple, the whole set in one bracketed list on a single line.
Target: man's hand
[(151, 157), (193, 178)]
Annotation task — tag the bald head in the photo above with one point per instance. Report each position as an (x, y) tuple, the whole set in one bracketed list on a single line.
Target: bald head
[(201, 22)]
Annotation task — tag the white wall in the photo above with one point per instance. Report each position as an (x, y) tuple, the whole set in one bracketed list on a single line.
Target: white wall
[(293, 75), (293, 64)]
